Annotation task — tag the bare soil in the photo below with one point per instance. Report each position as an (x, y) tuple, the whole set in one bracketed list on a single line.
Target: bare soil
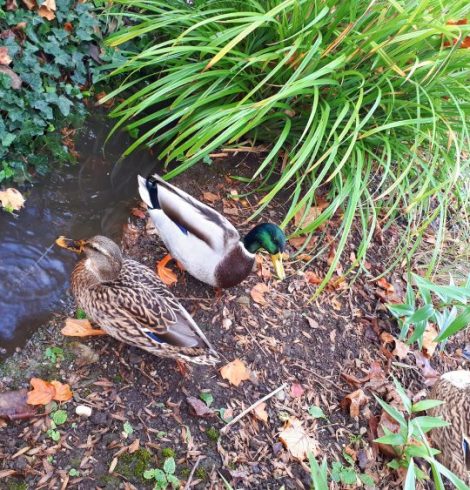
[(321, 350)]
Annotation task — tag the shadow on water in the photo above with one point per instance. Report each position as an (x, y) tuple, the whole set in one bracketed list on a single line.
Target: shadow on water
[(79, 201)]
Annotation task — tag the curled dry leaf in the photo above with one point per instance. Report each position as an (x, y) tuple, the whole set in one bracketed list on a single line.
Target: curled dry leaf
[(80, 328), (165, 273), (235, 372), (198, 407), (429, 346), (5, 58), (296, 440), (257, 293), (12, 199), (354, 401), (47, 9), (260, 412), (29, 4), (13, 405), (398, 348), (429, 373)]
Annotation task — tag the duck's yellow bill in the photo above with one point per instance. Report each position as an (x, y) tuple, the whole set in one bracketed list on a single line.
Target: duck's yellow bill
[(72, 245), (278, 266)]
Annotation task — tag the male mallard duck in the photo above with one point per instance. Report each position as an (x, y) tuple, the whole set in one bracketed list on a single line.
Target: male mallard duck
[(130, 303), (203, 241), (453, 388)]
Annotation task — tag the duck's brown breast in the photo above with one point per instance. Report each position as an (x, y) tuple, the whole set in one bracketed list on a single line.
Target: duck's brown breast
[(234, 268)]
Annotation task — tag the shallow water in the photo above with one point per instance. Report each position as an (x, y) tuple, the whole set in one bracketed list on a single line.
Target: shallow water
[(78, 201)]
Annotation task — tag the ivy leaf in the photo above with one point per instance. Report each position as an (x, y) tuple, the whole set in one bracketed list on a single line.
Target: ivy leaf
[(59, 417), (207, 398), (169, 466)]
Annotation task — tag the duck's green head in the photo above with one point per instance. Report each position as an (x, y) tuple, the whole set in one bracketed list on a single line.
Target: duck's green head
[(270, 238)]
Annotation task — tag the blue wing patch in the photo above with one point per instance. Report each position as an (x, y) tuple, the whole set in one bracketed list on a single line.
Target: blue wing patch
[(154, 336), (182, 228)]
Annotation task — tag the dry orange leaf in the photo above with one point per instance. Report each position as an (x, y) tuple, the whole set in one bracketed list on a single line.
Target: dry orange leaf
[(260, 412), (42, 393), (312, 278), (235, 372), (80, 328), (429, 346), (210, 197), (296, 440), (354, 401), (164, 273), (12, 198), (400, 349), (384, 284), (257, 293), (47, 9), (30, 4), (4, 56), (63, 393)]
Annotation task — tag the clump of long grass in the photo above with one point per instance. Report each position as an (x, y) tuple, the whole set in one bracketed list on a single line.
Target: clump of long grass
[(368, 100)]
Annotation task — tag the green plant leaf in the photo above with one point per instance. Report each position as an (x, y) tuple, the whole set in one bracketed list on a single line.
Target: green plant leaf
[(425, 405), (149, 474), (316, 412), (206, 397), (318, 473), (169, 466), (392, 411), (410, 481), (404, 397), (127, 428), (391, 439), (59, 417), (462, 321)]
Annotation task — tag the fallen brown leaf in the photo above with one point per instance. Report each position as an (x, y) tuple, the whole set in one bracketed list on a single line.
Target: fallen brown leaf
[(80, 328), (235, 372), (63, 393), (354, 401), (312, 278), (42, 393), (13, 405), (298, 241), (429, 346), (12, 199), (398, 348), (198, 407), (296, 440), (429, 373), (210, 197), (47, 9), (4, 56), (384, 284), (260, 412), (134, 446), (306, 217), (257, 293), (29, 4), (166, 274)]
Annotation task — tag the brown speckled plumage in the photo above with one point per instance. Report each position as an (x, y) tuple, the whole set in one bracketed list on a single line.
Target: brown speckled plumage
[(128, 301), (453, 441)]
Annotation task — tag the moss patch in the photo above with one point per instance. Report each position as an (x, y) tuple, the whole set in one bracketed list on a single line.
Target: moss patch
[(132, 466), (16, 485), (201, 473), (212, 433), (168, 452)]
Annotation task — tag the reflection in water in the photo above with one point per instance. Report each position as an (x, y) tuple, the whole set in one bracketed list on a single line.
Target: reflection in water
[(77, 201)]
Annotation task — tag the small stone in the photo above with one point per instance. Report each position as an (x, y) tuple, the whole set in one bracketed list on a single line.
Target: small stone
[(281, 395), (227, 323), (83, 411)]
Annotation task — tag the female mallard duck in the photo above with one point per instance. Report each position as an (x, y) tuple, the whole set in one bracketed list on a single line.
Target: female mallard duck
[(129, 302), (203, 241), (453, 388)]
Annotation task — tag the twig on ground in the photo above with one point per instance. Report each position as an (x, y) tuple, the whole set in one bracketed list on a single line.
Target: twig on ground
[(252, 407), (196, 464)]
